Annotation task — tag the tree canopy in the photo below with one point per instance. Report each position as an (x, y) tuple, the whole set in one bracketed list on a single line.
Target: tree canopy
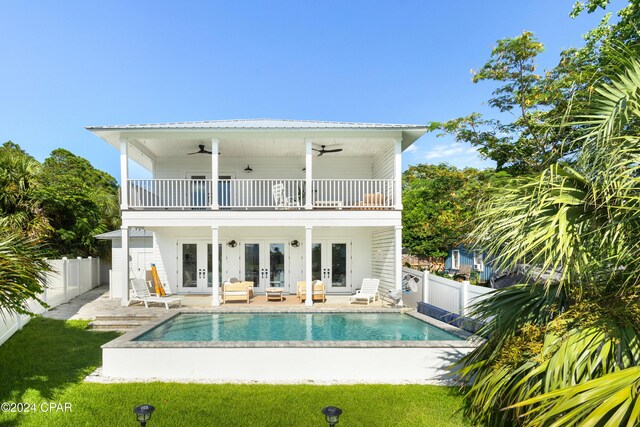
[(439, 204), (62, 203)]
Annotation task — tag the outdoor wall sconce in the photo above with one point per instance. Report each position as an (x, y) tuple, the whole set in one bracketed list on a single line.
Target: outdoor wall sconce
[(332, 413), (295, 243), (232, 243), (143, 413), (248, 169)]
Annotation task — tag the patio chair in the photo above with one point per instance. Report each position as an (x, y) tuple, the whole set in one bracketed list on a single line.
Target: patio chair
[(368, 291), (318, 291), (239, 291), (373, 201), (281, 200), (141, 293)]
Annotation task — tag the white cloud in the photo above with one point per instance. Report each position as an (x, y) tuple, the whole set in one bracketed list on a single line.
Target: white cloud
[(412, 148), (446, 151)]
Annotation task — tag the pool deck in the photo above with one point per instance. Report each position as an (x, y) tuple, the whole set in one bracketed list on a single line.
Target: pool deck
[(96, 304)]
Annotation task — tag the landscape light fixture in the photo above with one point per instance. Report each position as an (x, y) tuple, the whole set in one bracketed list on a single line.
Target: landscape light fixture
[(332, 413), (248, 169), (143, 413)]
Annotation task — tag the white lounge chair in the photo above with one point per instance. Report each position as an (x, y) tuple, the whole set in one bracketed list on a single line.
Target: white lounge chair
[(368, 291), (141, 293)]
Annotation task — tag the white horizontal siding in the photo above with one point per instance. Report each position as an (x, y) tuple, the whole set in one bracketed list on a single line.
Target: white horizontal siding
[(382, 167), (383, 258)]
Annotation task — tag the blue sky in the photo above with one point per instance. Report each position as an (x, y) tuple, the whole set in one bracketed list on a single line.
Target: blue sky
[(66, 65)]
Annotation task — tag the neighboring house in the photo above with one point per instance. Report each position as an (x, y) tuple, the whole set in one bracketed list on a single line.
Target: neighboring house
[(269, 201), (475, 259)]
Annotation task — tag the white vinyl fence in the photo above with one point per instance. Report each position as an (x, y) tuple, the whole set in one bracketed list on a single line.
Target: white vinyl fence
[(447, 294), (68, 279)]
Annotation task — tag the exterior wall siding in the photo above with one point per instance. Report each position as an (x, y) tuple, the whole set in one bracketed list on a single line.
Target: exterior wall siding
[(466, 258), (382, 167), (167, 239), (383, 258)]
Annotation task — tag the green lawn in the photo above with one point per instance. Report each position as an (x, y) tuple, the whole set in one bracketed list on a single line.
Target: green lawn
[(47, 360)]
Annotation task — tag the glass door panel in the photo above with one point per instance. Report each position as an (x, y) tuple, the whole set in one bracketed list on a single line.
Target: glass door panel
[(189, 265), (316, 261), (252, 263), (339, 265), (276, 265)]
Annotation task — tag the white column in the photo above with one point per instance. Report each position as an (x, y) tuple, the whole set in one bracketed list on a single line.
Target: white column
[(308, 243), (124, 173), (397, 253), (397, 174), (215, 283), (215, 146), (308, 173), (124, 277)]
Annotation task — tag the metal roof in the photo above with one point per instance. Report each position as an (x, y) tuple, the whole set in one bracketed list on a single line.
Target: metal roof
[(261, 124), (117, 234)]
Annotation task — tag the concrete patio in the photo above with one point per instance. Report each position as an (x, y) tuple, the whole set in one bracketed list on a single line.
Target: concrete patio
[(105, 313)]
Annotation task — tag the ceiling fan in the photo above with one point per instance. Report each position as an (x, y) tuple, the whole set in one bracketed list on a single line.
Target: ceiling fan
[(324, 150), (202, 151)]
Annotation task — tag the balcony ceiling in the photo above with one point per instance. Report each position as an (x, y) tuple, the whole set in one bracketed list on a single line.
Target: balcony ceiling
[(256, 138)]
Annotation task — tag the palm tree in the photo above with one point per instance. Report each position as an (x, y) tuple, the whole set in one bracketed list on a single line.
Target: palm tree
[(23, 271), (564, 348)]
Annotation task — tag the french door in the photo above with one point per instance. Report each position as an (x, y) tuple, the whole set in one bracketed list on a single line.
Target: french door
[(198, 195), (265, 263), (331, 263), (195, 266)]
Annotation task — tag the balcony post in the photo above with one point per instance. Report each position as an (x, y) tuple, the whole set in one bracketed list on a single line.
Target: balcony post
[(308, 173), (124, 174), (215, 281), (308, 244), (397, 174), (215, 146)]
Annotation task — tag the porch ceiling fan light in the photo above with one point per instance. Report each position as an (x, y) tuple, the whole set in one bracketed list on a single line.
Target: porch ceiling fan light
[(232, 243), (248, 169), (295, 243)]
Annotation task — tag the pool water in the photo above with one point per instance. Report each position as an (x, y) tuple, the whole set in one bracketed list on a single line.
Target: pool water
[(295, 327)]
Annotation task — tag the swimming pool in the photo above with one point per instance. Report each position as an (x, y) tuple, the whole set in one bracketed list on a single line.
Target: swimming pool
[(326, 347), (295, 327)]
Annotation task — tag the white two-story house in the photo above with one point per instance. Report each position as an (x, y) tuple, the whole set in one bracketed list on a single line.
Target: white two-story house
[(268, 201)]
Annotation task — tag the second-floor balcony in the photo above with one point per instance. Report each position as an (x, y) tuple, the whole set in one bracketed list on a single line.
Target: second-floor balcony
[(260, 194)]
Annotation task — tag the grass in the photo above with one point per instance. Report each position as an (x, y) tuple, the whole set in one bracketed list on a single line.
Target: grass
[(47, 360)]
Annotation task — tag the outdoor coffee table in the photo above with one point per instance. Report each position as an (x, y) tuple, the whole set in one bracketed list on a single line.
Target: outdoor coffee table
[(274, 294)]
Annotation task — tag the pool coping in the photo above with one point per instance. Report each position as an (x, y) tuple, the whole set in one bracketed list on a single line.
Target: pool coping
[(127, 340)]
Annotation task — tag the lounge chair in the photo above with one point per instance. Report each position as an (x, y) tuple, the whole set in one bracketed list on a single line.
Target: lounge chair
[(141, 293), (368, 291), (239, 291), (318, 292), (373, 201)]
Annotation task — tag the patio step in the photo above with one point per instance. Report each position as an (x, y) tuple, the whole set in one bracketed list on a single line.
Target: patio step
[(115, 325), (126, 317)]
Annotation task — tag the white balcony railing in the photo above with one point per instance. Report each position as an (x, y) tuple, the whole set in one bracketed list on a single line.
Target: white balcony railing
[(261, 194), (170, 193), (353, 193)]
